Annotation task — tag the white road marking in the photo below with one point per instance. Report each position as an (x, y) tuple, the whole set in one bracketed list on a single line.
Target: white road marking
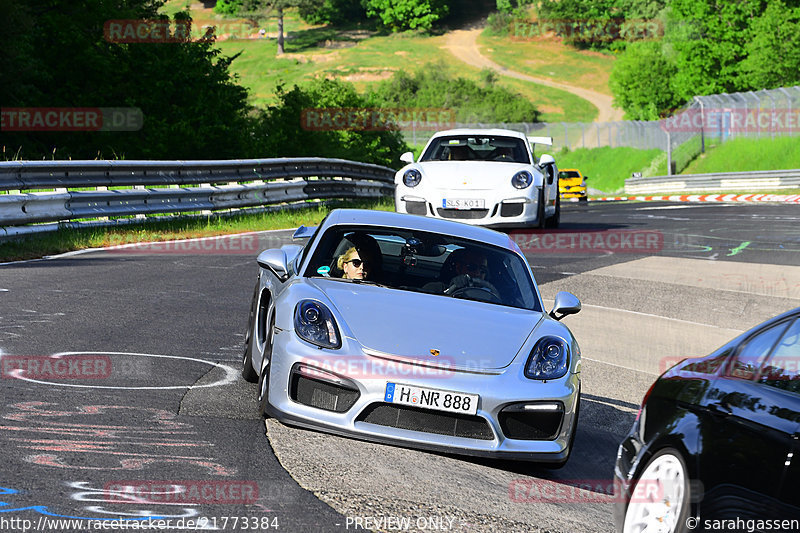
[(654, 316), (230, 373)]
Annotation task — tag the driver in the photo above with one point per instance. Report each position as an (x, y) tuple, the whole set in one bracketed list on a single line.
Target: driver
[(470, 268), (472, 263)]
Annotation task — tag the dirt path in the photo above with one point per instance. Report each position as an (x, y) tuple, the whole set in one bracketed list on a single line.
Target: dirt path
[(464, 45)]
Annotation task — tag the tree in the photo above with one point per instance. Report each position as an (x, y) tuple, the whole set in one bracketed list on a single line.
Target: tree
[(710, 40), (399, 15), (333, 12), (192, 108), (773, 54), (264, 9), (641, 81), (281, 129)]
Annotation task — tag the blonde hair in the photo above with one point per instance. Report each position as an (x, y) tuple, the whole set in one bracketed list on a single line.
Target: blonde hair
[(344, 257)]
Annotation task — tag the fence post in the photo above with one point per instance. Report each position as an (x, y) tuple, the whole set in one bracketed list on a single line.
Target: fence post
[(702, 125), (669, 153)]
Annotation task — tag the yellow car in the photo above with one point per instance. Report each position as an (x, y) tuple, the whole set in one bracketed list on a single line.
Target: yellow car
[(572, 184)]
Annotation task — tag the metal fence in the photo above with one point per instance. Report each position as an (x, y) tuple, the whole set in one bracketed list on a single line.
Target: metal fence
[(714, 118), (43, 195)]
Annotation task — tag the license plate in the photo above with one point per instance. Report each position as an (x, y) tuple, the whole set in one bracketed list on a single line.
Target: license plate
[(463, 203), (440, 400)]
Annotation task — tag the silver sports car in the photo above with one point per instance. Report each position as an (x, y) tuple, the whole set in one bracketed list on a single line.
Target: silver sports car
[(414, 331)]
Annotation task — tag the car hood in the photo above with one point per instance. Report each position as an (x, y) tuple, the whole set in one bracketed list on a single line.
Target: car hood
[(407, 326), (471, 175)]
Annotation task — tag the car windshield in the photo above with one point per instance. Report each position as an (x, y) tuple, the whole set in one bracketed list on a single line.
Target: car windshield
[(477, 148), (425, 262), (567, 174)]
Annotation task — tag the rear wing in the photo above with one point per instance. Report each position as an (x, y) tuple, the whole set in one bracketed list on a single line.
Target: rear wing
[(304, 232), (539, 140)]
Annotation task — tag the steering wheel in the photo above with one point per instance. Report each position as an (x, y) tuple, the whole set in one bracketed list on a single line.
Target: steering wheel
[(465, 286), (502, 157)]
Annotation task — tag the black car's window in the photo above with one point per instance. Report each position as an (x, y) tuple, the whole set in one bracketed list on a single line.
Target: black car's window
[(419, 261), (749, 359), (477, 148), (782, 369)]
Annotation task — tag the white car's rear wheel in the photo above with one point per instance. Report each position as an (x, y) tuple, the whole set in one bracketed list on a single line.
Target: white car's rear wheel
[(660, 498)]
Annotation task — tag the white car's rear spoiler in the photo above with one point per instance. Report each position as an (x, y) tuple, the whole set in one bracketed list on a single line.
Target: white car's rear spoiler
[(541, 140)]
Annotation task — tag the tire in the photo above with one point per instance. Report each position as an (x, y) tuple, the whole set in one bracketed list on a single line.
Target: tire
[(583, 199), (541, 221), (662, 503), (266, 365), (248, 372), (555, 220)]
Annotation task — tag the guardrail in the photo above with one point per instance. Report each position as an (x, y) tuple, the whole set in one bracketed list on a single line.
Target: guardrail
[(717, 182), (160, 187)]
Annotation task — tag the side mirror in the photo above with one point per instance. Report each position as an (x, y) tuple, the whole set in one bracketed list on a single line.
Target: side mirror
[(565, 304), (291, 251), (407, 157), (274, 260), (548, 164)]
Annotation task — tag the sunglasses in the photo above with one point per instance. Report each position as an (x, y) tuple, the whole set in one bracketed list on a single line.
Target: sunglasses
[(473, 267), (357, 263)]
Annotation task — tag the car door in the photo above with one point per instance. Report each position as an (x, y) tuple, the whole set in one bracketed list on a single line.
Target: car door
[(745, 434)]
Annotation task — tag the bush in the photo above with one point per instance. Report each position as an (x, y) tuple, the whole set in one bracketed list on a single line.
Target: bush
[(434, 86), (280, 131)]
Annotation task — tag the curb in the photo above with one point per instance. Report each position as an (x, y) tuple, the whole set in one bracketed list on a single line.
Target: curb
[(785, 198)]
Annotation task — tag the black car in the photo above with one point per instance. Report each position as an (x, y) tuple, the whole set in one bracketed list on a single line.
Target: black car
[(714, 444)]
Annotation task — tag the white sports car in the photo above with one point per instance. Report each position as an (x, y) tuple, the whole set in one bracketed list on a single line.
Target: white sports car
[(485, 177)]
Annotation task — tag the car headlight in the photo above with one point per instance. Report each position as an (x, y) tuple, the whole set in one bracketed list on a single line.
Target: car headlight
[(314, 323), (412, 177), (549, 359), (522, 179)]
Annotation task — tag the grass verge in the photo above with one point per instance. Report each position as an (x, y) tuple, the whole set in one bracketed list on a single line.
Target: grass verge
[(745, 155), (67, 240), (607, 168)]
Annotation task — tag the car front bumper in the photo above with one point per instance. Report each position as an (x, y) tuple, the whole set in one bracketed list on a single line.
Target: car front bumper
[(497, 390), (496, 213)]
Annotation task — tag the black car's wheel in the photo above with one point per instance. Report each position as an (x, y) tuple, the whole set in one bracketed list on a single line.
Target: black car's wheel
[(661, 501), (248, 372), (266, 365)]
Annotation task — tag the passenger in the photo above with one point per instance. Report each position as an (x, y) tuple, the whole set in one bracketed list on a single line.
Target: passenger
[(352, 266)]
